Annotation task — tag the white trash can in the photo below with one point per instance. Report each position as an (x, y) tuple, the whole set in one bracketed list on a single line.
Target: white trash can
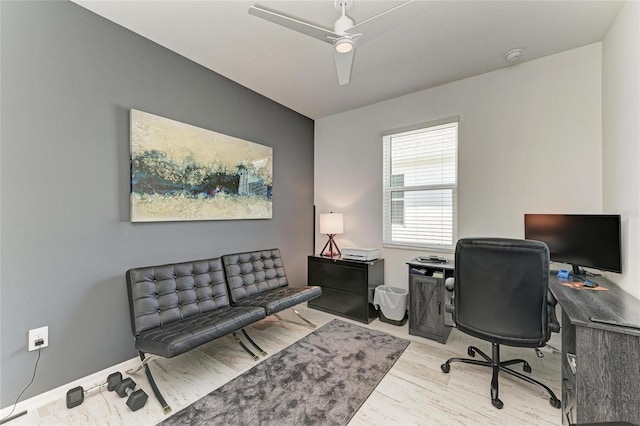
[(391, 303)]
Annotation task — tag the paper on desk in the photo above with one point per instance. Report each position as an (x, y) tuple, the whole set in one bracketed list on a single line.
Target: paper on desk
[(579, 286)]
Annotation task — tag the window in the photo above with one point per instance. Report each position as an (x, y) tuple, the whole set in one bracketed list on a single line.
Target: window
[(420, 186), (397, 200)]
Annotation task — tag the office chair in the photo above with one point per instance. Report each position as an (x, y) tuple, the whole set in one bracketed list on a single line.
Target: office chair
[(501, 295)]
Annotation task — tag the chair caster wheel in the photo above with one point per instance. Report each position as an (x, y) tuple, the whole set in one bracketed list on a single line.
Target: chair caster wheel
[(526, 368), (555, 403), (471, 352), (497, 403), (445, 368)]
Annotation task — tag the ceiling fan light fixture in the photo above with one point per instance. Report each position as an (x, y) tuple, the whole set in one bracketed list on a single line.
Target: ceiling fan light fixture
[(342, 38), (343, 45)]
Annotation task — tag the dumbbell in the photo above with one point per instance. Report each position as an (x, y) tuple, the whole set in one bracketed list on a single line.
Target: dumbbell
[(75, 396), (136, 399)]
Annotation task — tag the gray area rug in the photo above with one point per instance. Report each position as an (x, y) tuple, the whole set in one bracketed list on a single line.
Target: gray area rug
[(322, 379)]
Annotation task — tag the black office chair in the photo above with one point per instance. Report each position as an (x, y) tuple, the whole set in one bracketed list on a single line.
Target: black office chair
[(501, 295)]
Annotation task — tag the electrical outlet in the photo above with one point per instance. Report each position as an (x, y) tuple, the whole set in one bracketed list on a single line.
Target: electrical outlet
[(36, 334)]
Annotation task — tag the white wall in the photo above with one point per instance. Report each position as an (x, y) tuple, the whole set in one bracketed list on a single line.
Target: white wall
[(530, 141), (621, 136)]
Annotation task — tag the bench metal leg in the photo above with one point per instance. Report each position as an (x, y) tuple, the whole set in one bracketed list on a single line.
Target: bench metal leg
[(165, 407), (144, 362), (283, 320), (255, 345), (304, 319), (235, 336)]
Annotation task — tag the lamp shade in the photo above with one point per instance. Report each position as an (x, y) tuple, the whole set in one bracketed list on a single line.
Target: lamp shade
[(331, 223)]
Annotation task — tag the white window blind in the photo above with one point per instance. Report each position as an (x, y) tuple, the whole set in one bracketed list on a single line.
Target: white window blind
[(420, 186)]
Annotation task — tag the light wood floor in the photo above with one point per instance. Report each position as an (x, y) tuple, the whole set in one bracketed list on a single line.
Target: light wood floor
[(414, 392)]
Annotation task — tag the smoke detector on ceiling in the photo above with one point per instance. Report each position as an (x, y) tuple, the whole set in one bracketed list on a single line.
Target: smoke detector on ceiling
[(513, 55)]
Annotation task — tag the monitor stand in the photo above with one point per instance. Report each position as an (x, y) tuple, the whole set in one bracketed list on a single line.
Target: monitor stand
[(577, 273)]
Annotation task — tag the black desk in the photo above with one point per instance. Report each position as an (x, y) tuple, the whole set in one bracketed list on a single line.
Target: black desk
[(606, 383)]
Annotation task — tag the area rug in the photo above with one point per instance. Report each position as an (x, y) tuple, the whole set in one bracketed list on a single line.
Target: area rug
[(322, 379)]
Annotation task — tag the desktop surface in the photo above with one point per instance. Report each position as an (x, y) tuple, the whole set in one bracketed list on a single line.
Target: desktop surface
[(427, 264), (606, 302)]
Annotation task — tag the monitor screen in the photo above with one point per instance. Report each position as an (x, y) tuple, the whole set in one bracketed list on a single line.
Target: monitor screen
[(591, 241)]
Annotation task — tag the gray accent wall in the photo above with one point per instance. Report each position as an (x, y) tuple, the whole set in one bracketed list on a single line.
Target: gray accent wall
[(69, 79)]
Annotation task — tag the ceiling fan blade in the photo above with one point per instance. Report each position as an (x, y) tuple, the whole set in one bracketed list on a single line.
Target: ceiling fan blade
[(371, 29), (319, 33), (343, 66)]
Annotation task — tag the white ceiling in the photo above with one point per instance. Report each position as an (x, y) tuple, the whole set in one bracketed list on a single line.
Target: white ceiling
[(427, 43)]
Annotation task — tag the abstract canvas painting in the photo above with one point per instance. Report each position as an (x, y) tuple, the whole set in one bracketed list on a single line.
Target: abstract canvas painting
[(183, 172)]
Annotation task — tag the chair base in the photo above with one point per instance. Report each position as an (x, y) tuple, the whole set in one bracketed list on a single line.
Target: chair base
[(497, 366)]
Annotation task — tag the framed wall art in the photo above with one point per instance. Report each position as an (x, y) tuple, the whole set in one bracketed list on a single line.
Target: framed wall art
[(182, 172)]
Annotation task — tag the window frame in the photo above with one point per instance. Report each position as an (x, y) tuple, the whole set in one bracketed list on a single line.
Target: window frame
[(387, 226)]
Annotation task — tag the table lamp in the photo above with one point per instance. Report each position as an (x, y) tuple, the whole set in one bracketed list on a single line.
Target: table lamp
[(331, 224)]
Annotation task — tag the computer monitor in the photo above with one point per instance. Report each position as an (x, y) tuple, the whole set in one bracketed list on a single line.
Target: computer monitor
[(582, 240)]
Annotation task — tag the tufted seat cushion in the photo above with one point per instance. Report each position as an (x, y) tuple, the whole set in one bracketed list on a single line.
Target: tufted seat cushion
[(181, 336), (258, 279), (277, 300), (177, 307)]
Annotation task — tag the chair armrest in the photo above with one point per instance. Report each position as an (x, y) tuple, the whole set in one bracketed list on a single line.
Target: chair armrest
[(449, 283), (450, 305), (552, 321)]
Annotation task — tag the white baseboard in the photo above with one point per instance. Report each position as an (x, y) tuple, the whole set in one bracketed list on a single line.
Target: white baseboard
[(61, 391)]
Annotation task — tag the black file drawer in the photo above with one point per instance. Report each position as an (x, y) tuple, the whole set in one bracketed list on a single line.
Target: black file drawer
[(347, 286), (343, 303), (337, 276)]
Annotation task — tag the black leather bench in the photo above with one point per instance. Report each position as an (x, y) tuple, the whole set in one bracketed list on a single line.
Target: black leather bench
[(177, 307), (258, 278)]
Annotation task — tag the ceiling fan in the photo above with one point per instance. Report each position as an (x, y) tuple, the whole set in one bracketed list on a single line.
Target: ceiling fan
[(342, 37)]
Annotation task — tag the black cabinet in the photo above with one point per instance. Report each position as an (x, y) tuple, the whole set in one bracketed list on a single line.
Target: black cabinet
[(347, 286), (427, 300)]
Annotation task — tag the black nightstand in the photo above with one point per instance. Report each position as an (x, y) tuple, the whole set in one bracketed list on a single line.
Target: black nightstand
[(347, 286)]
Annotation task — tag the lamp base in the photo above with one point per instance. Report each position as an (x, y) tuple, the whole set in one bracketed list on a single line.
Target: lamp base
[(332, 245)]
